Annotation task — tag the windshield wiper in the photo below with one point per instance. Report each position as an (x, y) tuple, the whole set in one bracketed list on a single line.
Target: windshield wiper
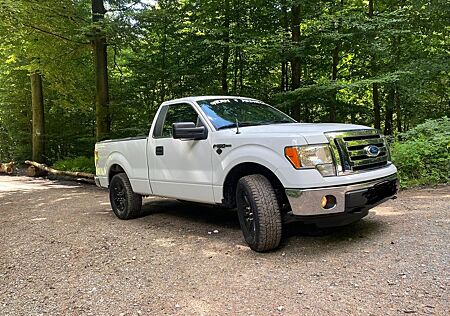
[(241, 124)]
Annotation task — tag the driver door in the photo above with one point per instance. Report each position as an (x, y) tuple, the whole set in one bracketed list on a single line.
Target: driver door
[(178, 168)]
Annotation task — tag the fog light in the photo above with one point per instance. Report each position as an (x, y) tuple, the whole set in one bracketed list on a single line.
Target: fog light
[(328, 202)]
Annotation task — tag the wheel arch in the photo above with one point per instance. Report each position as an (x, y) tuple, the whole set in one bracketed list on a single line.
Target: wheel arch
[(113, 170), (245, 169)]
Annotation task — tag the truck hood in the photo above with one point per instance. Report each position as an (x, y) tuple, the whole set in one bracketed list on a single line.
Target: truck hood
[(313, 133)]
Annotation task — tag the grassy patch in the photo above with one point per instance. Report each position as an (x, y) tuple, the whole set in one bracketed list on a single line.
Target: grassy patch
[(80, 164), (422, 155)]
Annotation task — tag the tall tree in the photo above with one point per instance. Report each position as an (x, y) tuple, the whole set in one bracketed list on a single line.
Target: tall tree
[(334, 67), (284, 60), (375, 85), (295, 62), (38, 122), (389, 110), (102, 116), (226, 47)]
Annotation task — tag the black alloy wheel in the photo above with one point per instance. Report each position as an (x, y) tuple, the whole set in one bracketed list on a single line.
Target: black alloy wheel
[(258, 212), (125, 203)]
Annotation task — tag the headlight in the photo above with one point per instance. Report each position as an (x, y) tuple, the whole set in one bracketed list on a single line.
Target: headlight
[(312, 156)]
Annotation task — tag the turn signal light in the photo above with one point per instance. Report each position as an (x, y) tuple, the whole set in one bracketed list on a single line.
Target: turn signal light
[(291, 154)]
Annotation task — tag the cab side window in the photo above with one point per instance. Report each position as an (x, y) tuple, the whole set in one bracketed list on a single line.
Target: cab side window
[(174, 113)]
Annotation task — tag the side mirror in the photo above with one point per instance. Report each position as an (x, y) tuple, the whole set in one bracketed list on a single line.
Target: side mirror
[(188, 130)]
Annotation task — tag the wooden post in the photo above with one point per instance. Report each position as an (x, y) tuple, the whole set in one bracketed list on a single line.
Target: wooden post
[(38, 123)]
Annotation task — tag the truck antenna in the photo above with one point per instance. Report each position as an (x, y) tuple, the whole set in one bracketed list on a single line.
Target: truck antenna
[(237, 127)]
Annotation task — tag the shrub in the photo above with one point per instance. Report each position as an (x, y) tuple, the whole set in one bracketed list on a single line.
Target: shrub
[(422, 154), (81, 164)]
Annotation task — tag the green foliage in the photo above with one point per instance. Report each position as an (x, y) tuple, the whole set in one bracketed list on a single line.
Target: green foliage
[(45, 36), (423, 154), (80, 164), (165, 49)]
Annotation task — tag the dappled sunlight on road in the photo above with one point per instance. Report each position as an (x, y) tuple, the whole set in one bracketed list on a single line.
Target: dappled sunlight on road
[(22, 184), (386, 211), (445, 196)]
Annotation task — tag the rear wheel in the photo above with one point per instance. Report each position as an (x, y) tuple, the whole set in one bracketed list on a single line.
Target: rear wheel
[(125, 203), (259, 213)]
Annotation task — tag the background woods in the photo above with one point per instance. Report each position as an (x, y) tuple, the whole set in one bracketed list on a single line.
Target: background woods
[(73, 71)]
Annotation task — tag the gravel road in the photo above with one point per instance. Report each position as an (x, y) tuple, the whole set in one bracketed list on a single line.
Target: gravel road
[(63, 252)]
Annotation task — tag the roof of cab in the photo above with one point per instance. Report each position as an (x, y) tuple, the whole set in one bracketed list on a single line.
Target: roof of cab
[(205, 97)]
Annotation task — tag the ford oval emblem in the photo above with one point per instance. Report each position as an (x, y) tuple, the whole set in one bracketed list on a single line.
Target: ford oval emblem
[(372, 150)]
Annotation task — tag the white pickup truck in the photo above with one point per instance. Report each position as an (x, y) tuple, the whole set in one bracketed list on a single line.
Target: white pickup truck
[(242, 153)]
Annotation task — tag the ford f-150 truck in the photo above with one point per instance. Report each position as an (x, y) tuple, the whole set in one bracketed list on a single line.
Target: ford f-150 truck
[(243, 153)]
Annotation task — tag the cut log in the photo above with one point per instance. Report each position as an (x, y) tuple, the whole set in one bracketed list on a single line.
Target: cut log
[(7, 168), (32, 171), (81, 175)]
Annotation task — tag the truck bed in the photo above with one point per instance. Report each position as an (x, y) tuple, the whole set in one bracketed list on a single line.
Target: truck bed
[(131, 155)]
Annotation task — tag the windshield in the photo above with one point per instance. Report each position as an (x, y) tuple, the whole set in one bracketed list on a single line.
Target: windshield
[(224, 113)]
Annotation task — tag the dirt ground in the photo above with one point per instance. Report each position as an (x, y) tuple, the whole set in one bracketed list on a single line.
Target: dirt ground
[(63, 252)]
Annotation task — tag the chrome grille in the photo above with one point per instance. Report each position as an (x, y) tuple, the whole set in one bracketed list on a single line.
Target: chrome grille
[(351, 150)]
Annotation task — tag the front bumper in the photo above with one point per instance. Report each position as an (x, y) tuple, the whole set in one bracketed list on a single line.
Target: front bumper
[(352, 198), (97, 181)]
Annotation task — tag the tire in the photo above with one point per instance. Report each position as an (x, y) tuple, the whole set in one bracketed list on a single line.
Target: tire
[(259, 213), (125, 203)]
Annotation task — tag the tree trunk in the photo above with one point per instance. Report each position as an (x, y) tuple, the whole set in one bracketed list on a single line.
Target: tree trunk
[(241, 71), (376, 105), (375, 92), (370, 8), (398, 110), (284, 63), (389, 111), (235, 71), (295, 62), (236, 58), (103, 122), (38, 123), (226, 47), (162, 90), (334, 72)]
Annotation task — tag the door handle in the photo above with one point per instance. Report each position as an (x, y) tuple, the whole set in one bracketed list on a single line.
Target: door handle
[(159, 150)]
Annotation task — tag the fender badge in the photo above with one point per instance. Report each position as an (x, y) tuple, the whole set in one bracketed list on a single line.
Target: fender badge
[(219, 147)]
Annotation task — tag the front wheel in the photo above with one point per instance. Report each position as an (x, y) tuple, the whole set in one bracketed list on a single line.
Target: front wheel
[(259, 213), (125, 203)]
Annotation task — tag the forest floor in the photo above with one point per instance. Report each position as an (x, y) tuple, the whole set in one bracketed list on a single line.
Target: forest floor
[(63, 252)]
